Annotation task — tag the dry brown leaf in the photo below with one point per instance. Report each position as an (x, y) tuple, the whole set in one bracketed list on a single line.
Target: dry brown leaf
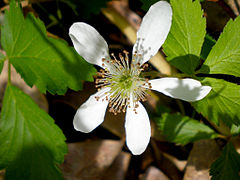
[(154, 173), (118, 169), (90, 159), (163, 163), (234, 5), (180, 164), (203, 154)]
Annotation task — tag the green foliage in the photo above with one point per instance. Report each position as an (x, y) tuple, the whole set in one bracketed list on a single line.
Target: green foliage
[(48, 63), (222, 103), (31, 144), (184, 42), (2, 58), (227, 166), (224, 58), (183, 129)]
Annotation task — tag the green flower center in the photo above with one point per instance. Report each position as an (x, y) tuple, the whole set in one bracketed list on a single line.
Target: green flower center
[(127, 88), (125, 81)]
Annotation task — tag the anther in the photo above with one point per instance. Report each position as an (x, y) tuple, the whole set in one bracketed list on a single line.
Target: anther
[(97, 98), (120, 82)]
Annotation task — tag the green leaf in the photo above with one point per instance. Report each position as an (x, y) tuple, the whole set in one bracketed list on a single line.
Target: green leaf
[(2, 58), (227, 166), (31, 144), (48, 63), (183, 129), (224, 58), (222, 103), (208, 43), (184, 42)]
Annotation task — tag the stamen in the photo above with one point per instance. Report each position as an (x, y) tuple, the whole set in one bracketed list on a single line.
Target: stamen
[(123, 78)]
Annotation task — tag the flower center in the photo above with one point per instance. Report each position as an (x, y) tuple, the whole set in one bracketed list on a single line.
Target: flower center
[(127, 88), (125, 81)]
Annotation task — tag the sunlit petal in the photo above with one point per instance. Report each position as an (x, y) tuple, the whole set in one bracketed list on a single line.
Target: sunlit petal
[(91, 113), (138, 129), (153, 31), (184, 89), (89, 43)]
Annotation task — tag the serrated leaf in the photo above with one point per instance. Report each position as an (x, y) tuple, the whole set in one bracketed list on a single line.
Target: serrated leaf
[(184, 42), (224, 58), (222, 103), (31, 144), (183, 129), (2, 58), (48, 63), (227, 166)]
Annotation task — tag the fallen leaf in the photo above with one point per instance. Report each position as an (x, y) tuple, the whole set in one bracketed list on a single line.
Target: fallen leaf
[(234, 5), (90, 159), (154, 173), (203, 154), (118, 169)]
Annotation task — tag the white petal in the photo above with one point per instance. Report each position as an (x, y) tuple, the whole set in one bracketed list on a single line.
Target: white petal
[(184, 89), (89, 43), (91, 113), (153, 30), (138, 129)]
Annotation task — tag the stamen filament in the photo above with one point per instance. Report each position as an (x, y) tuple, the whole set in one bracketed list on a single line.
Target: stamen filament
[(123, 79)]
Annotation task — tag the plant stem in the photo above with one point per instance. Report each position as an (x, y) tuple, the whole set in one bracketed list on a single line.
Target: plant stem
[(181, 107), (9, 72), (222, 129)]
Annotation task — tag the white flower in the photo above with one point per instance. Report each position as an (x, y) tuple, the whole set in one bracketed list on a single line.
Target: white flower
[(120, 83)]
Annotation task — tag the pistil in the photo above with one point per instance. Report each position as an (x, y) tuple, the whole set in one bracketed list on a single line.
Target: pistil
[(123, 78)]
